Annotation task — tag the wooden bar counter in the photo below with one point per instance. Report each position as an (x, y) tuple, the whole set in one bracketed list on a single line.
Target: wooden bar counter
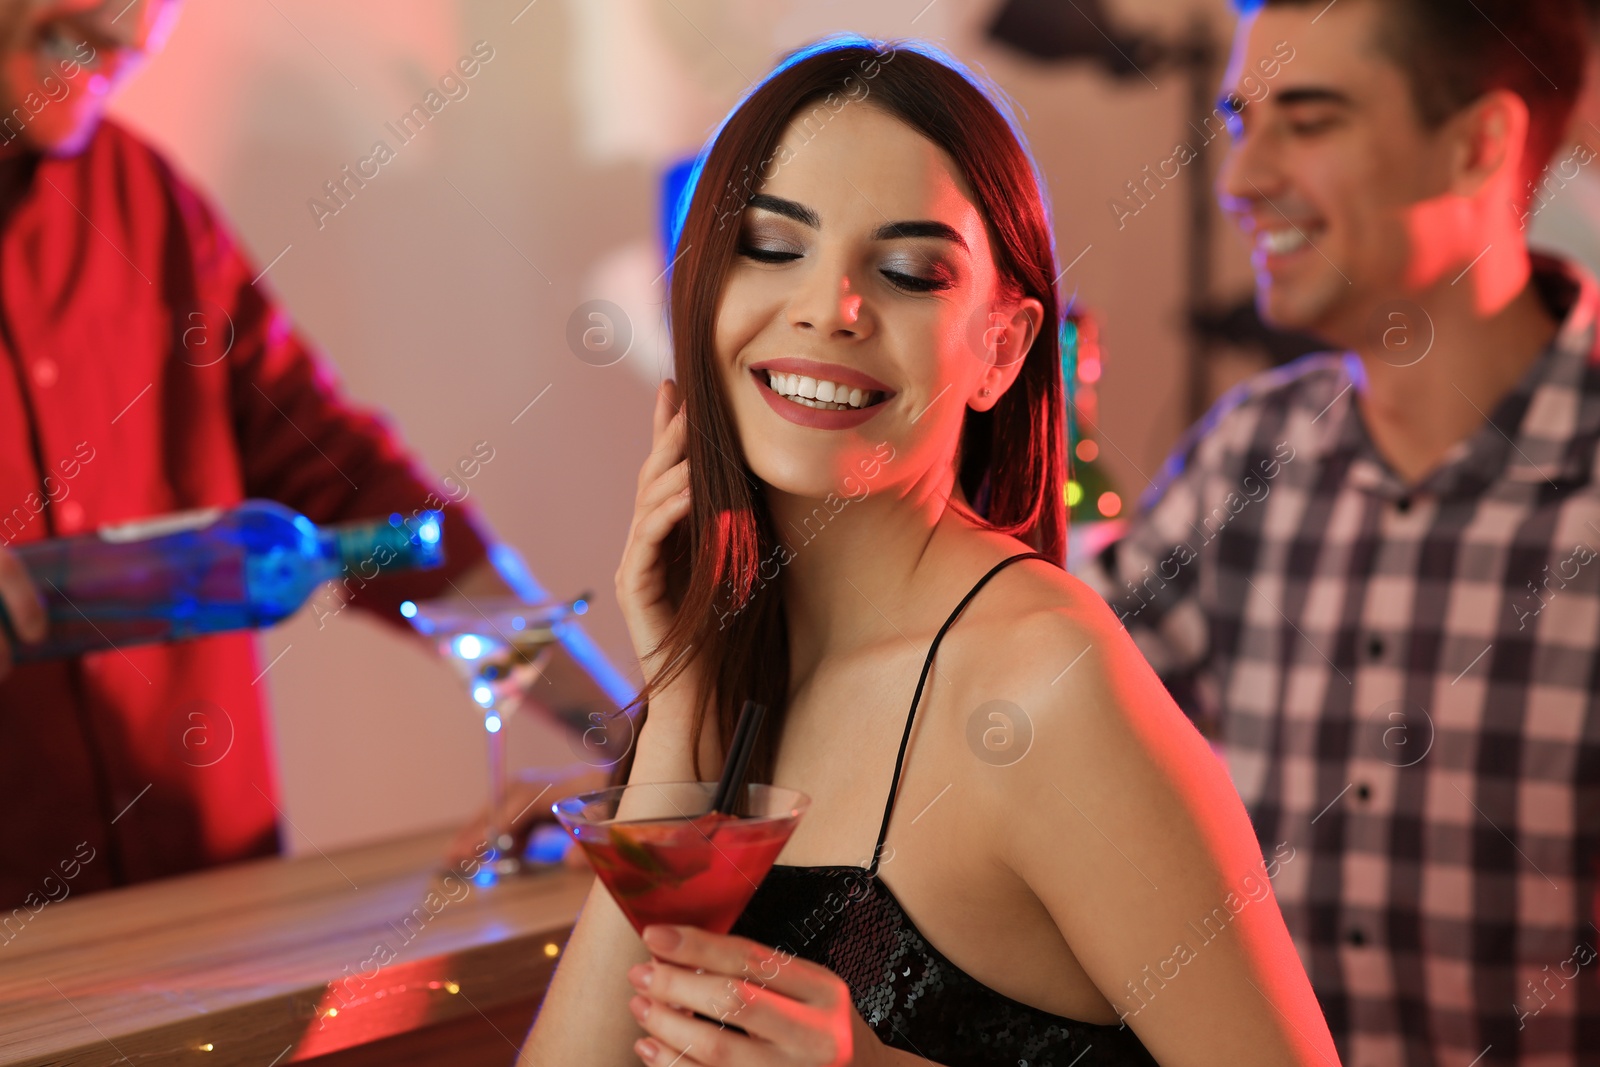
[(365, 956)]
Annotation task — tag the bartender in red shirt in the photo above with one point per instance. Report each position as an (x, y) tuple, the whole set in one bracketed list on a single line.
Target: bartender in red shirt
[(144, 371)]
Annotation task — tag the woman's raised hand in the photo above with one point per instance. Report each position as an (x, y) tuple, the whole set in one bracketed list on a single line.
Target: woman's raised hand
[(661, 503)]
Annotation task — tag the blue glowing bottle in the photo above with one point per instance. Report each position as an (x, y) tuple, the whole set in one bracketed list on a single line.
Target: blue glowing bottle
[(204, 572)]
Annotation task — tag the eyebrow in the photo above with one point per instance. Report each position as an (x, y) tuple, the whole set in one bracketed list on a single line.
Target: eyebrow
[(889, 231), (789, 209), (1235, 103), (1314, 95)]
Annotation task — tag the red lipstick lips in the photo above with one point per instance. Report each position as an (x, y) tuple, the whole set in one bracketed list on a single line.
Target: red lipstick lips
[(819, 418)]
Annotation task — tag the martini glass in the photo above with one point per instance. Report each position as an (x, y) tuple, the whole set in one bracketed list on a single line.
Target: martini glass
[(667, 857), (499, 646)]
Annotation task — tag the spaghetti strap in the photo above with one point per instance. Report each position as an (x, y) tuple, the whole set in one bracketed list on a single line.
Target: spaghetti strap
[(916, 699)]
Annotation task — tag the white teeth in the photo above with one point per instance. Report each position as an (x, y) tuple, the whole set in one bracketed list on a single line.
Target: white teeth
[(819, 393), (1281, 242)]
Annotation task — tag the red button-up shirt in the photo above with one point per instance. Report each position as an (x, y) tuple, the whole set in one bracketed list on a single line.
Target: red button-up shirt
[(142, 372)]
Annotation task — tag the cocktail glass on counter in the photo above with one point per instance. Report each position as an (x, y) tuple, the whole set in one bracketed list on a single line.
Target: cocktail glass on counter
[(499, 646)]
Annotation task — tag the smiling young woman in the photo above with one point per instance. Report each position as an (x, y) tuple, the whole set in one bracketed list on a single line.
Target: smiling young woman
[(863, 312)]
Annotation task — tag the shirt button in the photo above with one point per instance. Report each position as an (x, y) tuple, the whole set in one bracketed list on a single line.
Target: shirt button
[(1356, 937), (45, 373), (70, 516), (1375, 646)]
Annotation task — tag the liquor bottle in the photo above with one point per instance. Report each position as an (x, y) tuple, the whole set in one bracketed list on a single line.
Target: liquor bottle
[(203, 572)]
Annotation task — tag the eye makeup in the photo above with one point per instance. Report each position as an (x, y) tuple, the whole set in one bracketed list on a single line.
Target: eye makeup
[(916, 274)]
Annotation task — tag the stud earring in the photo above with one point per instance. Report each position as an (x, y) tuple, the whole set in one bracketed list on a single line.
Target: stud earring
[(985, 392)]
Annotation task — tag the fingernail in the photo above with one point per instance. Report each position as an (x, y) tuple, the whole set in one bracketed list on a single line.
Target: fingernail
[(640, 975), (665, 938), (640, 1007), (645, 1048)]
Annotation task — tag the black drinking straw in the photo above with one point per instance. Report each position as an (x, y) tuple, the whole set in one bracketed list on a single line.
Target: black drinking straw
[(738, 760)]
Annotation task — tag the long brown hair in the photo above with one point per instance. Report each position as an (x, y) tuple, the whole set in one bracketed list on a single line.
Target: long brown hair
[(1012, 464)]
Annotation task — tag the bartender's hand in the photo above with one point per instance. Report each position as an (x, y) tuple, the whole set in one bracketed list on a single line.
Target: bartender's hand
[(24, 607), (527, 806), (662, 502), (792, 1011)]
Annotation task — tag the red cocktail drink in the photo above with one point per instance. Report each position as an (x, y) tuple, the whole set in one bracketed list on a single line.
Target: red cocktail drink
[(666, 858)]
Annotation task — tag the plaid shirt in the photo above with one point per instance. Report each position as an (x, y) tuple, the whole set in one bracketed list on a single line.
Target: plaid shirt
[(1406, 684)]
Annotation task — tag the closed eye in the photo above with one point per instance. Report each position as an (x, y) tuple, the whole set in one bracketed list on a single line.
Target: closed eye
[(768, 255), (914, 283), (1312, 127), (899, 279)]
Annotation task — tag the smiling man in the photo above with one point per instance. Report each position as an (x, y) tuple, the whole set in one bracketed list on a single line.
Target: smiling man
[(143, 371), (1376, 571)]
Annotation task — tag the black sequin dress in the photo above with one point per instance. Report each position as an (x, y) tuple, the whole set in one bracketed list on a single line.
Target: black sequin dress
[(846, 919)]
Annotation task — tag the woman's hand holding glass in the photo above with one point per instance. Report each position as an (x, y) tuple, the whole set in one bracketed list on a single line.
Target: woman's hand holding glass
[(793, 1012)]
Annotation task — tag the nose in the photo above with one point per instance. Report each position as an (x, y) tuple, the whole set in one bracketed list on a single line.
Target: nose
[(849, 302), (828, 303), (1250, 173)]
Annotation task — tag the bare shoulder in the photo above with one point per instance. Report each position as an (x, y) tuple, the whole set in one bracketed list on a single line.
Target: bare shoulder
[(1038, 630), (1059, 675)]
